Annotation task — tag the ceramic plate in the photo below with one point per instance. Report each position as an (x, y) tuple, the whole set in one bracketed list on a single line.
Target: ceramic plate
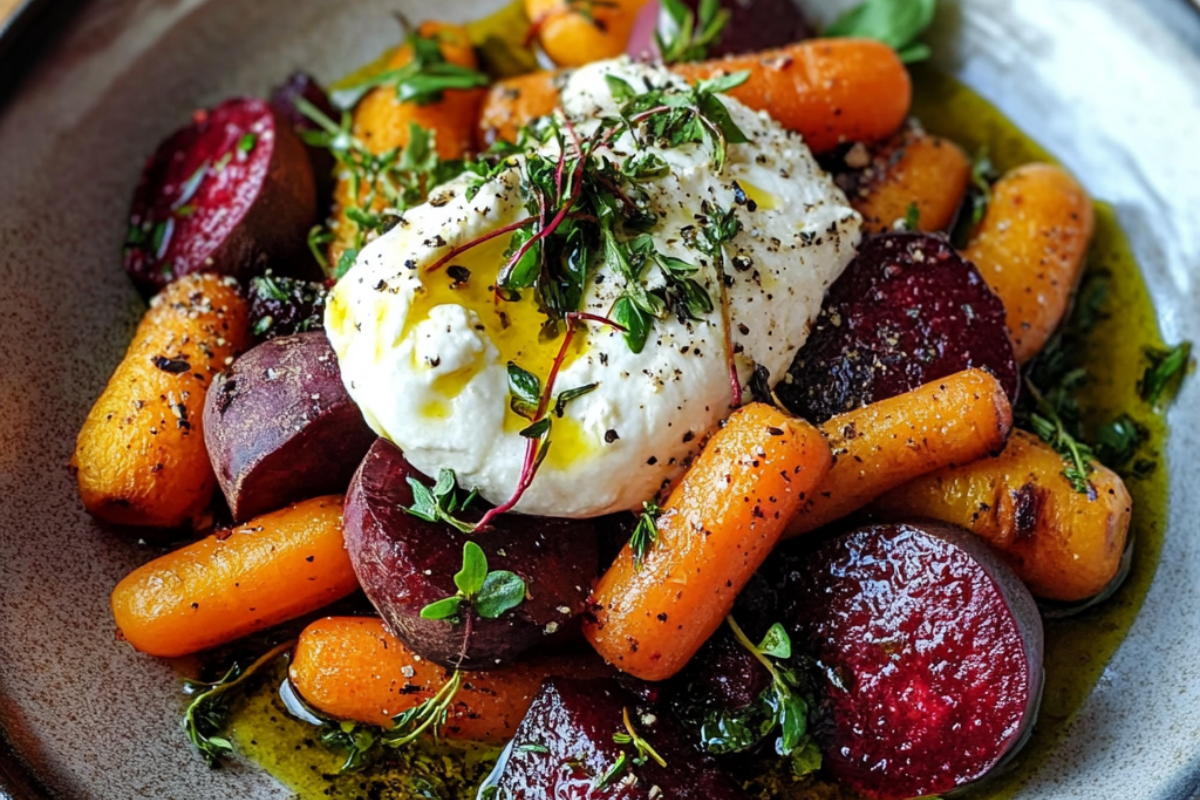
[(1112, 87)]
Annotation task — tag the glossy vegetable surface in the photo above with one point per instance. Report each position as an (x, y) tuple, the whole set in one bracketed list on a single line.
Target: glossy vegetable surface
[(140, 458), (649, 616), (277, 567)]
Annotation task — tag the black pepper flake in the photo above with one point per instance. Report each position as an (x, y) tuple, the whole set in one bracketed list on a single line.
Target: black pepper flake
[(611, 436), (459, 274), (172, 365), (652, 460)]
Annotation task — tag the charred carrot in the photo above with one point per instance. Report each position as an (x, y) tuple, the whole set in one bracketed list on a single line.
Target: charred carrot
[(956, 420), (352, 668), (140, 456), (274, 568), (651, 615), (1064, 544)]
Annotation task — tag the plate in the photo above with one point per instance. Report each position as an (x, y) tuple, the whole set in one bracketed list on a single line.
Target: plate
[(1112, 87)]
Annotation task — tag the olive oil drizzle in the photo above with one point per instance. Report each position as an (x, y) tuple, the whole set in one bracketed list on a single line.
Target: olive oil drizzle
[(1077, 648)]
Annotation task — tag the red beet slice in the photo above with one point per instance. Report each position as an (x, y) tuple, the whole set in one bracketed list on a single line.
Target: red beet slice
[(231, 193), (283, 98), (932, 653), (908, 310), (564, 748), (405, 563)]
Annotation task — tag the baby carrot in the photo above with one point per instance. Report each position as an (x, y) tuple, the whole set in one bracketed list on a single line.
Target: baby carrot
[(1063, 543), (352, 668), (913, 169), (828, 90), (274, 568), (140, 456), (955, 420), (717, 527), (1030, 249)]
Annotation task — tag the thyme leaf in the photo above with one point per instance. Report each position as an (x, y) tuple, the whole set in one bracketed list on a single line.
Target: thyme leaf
[(442, 502), (645, 534), (1165, 373), (688, 36), (422, 80)]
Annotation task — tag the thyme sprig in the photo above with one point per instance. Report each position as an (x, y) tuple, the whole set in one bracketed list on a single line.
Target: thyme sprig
[(440, 503), (207, 714), (422, 80), (688, 36), (645, 534), (643, 752), (1048, 424)]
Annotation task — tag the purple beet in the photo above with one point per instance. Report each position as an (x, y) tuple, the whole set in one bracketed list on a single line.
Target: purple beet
[(283, 98), (282, 306), (753, 25), (565, 749), (932, 652), (908, 310), (405, 563), (231, 193)]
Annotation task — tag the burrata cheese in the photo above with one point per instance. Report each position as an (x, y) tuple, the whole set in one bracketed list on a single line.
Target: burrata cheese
[(425, 353)]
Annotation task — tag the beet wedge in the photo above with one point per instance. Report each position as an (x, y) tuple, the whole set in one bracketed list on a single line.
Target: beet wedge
[(575, 744), (231, 193), (931, 650), (406, 563), (908, 310)]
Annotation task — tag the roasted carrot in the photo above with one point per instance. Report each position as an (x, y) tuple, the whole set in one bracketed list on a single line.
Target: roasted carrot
[(651, 616), (274, 568), (574, 33), (382, 122), (1064, 544), (829, 90), (952, 421), (515, 102), (352, 668), (913, 169), (1030, 248), (140, 458)]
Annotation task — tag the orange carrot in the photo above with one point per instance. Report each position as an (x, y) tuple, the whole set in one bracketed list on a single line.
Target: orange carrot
[(140, 456), (352, 668), (914, 168), (1064, 544), (1030, 249), (956, 420), (717, 527), (829, 90), (274, 568), (574, 34)]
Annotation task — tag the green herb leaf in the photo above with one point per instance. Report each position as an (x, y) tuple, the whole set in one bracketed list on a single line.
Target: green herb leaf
[(614, 771), (567, 395), (422, 80), (1117, 441), (776, 643), (469, 579), (912, 217), (440, 503), (645, 534), (525, 390), (408, 726), (246, 144), (501, 591), (359, 743), (635, 321), (896, 23), (1164, 375), (686, 36), (446, 608)]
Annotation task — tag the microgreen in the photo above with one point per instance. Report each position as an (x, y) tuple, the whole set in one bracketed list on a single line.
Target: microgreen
[(489, 593), (422, 80), (440, 503), (207, 714), (896, 23), (645, 534), (1165, 373), (642, 752), (688, 36), (912, 217)]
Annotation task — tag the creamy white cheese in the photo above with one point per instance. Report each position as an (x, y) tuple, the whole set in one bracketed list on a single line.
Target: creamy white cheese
[(426, 359)]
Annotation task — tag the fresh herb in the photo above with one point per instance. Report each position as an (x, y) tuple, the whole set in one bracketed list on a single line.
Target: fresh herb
[(207, 714), (644, 751), (645, 534), (532, 747), (383, 186), (246, 144), (440, 503), (912, 217), (687, 37), (896, 23), (1117, 441), (1165, 373), (359, 743), (1048, 424), (614, 771), (489, 593), (422, 80), (428, 716), (781, 710), (979, 196)]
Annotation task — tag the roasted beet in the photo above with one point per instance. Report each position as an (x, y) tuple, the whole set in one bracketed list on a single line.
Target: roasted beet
[(283, 98), (908, 310), (753, 25), (282, 306), (564, 748), (405, 563), (231, 193), (932, 652), (723, 676), (279, 426)]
